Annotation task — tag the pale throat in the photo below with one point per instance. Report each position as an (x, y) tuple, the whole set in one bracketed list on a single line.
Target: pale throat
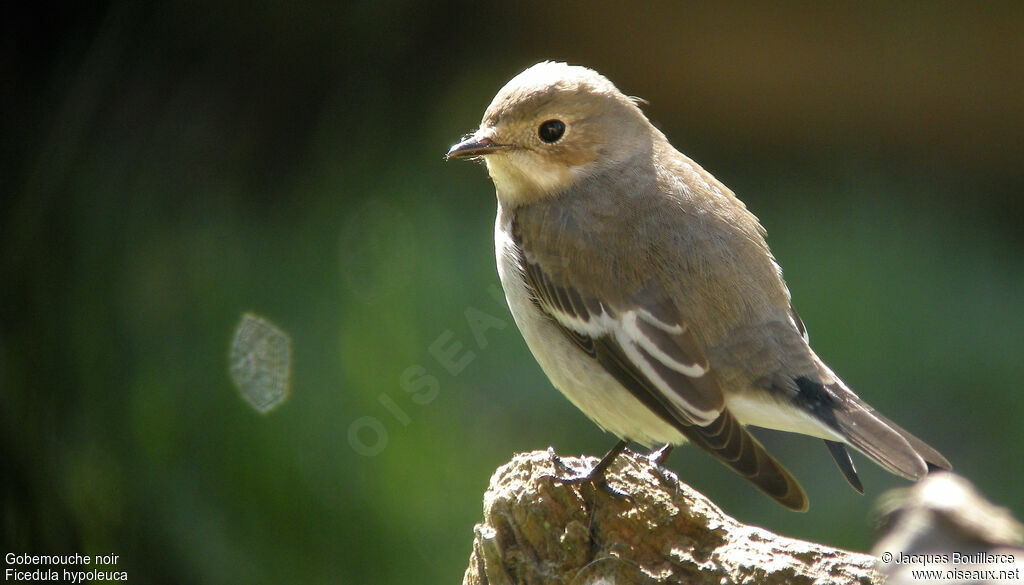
[(517, 183)]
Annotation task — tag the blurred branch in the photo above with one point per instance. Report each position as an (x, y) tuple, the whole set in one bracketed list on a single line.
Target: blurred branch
[(537, 531)]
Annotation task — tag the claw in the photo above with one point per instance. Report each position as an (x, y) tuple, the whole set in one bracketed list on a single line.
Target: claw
[(658, 456), (594, 476)]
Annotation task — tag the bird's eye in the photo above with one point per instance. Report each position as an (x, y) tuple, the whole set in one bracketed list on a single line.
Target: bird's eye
[(551, 131)]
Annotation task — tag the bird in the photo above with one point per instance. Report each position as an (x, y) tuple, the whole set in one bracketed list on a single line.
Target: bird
[(647, 293)]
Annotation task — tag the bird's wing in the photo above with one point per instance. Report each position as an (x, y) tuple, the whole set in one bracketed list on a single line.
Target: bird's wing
[(660, 355), (659, 361)]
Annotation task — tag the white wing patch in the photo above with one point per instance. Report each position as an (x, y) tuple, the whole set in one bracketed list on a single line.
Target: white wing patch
[(630, 327), (646, 355), (650, 356), (589, 324)]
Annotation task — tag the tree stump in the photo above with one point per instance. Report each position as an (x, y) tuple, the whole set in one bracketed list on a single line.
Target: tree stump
[(539, 531)]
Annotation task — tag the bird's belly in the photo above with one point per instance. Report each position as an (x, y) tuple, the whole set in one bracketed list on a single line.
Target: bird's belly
[(578, 376)]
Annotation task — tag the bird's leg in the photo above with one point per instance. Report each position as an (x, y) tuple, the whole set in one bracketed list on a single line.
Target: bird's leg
[(658, 456), (596, 473)]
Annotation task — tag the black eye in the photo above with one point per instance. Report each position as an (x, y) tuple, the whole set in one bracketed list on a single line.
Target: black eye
[(551, 131)]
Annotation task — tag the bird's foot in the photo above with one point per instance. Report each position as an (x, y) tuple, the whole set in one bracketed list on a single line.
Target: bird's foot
[(656, 459), (594, 476), (658, 456)]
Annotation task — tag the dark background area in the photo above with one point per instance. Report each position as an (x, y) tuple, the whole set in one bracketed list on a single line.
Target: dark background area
[(167, 167)]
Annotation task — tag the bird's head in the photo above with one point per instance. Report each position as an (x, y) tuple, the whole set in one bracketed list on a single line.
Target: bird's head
[(551, 126)]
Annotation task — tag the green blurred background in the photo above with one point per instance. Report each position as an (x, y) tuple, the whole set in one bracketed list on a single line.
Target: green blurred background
[(168, 167)]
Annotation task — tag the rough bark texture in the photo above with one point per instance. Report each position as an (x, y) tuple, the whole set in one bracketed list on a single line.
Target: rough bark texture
[(538, 531)]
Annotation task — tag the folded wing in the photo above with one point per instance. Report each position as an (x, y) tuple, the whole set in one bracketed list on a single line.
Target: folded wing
[(659, 361)]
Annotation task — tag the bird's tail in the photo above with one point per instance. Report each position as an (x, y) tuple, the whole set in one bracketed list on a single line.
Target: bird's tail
[(731, 443), (862, 427), (889, 444)]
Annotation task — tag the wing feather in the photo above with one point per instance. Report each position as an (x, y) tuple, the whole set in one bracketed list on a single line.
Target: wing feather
[(661, 364)]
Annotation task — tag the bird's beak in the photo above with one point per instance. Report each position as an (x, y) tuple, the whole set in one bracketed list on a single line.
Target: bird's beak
[(474, 145)]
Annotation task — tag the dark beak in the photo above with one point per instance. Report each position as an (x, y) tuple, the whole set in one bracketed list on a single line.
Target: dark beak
[(474, 145)]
